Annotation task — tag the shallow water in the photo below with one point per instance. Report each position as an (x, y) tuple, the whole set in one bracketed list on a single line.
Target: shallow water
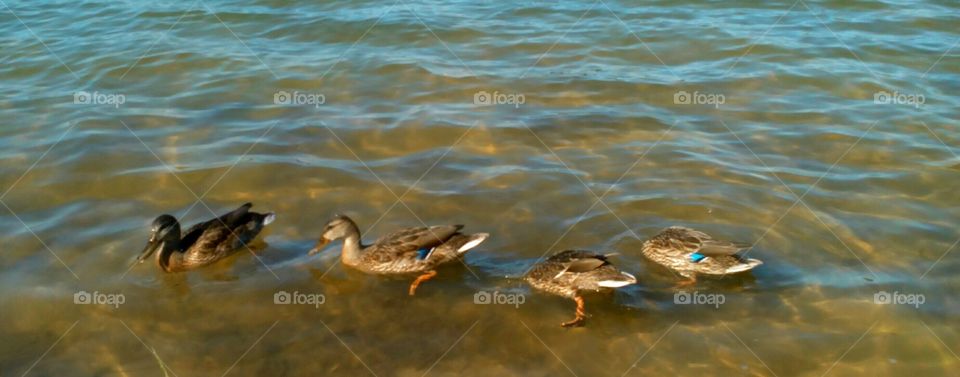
[(787, 111)]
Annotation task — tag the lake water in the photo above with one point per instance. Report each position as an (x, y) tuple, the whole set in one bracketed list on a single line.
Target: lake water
[(824, 132)]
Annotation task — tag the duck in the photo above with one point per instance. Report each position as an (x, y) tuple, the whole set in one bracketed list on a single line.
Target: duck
[(690, 252), (571, 273), (203, 243), (415, 250)]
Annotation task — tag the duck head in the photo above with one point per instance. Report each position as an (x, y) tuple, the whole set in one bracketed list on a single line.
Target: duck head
[(164, 233), (337, 228)]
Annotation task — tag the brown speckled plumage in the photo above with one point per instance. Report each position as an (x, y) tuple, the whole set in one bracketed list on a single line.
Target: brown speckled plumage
[(673, 247), (572, 272), (398, 252), (203, 243), (410, 250)]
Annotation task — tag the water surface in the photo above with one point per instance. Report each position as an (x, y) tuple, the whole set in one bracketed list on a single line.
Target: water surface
[(788, 142)]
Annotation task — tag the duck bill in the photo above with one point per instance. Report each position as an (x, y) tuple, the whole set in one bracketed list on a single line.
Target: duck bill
[(148, 250), (319, 247)]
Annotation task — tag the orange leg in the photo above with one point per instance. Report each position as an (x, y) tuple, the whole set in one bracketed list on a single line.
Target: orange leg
[(581, 314), (687, 283), (420, 279)]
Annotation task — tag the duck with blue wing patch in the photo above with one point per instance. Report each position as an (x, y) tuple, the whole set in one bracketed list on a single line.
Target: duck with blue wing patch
[(417, 250), (691, 252)]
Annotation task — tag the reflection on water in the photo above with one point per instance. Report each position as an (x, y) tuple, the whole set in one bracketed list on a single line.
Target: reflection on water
[(713, 117)]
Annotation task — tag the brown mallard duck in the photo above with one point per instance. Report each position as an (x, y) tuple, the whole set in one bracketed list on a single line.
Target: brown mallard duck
[(690, 252), (203, 243), (569, 273), (406, 251)]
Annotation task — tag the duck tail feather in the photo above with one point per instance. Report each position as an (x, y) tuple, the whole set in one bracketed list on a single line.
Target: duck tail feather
[(269, 217), (747, 265), (472, 241), (623, 280)]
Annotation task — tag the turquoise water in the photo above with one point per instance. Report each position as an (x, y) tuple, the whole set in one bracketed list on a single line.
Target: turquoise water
[(550, 126)]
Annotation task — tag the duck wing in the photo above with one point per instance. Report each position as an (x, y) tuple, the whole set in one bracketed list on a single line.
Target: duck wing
[(215, 227), (578, 261), (586, 264), (580, 269), (407, 243), (717, 248), (694, 241)]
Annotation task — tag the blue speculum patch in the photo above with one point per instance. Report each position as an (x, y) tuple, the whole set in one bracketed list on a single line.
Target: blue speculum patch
[(422, 253), (696, 257)]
